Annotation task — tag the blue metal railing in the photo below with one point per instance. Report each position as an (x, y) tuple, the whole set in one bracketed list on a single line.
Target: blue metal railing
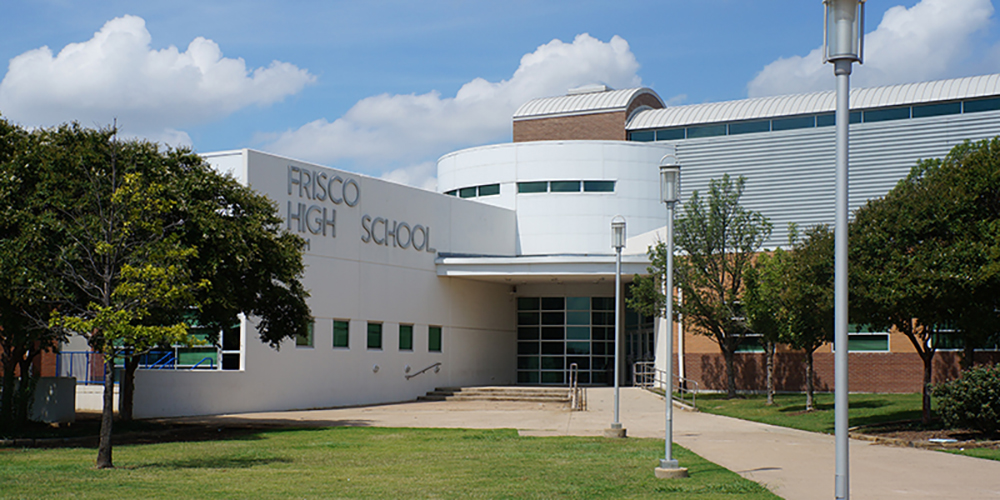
[(88, 367)]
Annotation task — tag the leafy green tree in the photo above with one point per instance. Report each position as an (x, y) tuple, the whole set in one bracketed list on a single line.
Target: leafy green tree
[(717, 239), (248, 263), (123, 260), (789, 298), (27, 251), (808, 300), (763, 284), (928, 254)]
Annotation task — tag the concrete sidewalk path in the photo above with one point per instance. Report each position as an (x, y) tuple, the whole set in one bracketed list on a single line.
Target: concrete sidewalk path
[(793, 464)]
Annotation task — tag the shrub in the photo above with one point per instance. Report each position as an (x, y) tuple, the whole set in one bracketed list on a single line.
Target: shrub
[(972, 401)]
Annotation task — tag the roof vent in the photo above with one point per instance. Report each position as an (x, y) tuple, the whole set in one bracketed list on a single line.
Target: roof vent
[(589, 89)]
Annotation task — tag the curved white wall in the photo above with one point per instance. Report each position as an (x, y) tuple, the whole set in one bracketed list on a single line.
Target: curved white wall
[(565, 223)]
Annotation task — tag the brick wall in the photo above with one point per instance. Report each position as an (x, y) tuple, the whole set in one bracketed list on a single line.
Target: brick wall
[(600, 126), (868, 371)]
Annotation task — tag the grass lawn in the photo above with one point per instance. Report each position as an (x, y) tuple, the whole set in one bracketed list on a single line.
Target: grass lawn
[(789, 409), (371, 463), (988, 453)]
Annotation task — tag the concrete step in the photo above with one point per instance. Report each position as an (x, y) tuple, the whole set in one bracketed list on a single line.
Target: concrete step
[(529, 394)]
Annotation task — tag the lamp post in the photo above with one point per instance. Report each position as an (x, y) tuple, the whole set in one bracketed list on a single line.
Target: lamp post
[(670, 187), (617, 242), (843, 42)]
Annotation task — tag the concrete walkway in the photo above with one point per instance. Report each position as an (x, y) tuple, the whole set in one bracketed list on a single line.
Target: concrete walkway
[(794, 464)]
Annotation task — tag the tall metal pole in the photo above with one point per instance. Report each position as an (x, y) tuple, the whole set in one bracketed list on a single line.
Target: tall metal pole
[(842, 69), (618, 322), (668, 462)]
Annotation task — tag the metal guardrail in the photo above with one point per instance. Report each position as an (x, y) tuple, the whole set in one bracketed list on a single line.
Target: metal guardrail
[(646, 375)]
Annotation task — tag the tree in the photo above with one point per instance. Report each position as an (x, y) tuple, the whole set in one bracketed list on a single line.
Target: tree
[(139, 241), (789, 298), (123, 260), (926, 255), (27, 251), (249, 264), (808, 299), (764, 284), (717, 238)]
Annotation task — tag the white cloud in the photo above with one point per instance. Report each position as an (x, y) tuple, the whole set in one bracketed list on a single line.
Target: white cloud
[(413, 129), (152, 93), (931, 40), (422, 175)]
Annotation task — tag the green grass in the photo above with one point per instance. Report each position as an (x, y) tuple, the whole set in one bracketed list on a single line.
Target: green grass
[(987, 453), (789, 409), (371, 463)]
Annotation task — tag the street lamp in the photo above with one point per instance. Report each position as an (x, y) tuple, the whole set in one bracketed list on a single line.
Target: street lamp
[(617, 242), (670, 193), (843, 40)]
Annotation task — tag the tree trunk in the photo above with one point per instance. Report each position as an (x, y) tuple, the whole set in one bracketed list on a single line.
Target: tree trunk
[(928, 359), (107, 414), (730, 373), (7, 402), (769, 361), (810, 404), (25, 390), (127, 385), (968, 356)]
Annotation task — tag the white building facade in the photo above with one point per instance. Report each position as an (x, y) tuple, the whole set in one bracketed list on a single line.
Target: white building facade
[(506, 276)]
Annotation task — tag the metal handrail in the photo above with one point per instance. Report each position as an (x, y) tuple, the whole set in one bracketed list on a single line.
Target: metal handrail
[(646, 375), (211, 363), (163, 362), (436, 366), (577, 395)]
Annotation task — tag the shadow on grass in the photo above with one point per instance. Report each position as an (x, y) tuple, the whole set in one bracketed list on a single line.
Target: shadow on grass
[(215, 463), (870, 404)]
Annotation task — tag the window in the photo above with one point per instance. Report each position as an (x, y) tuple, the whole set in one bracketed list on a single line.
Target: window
[(565, 186), (829, 120), (751, 342), (881, 115), (532, 187), (467, 192), (642, 136), (670, 134), (434, 339), (946, 108), (405, 337), (599, 186), (341, 331), (489, 190), (374, 335), (453, 192), (794, 123), (750, 127), (555, 332), (861, 338), (307, 339), (706, 131), (981, 105)]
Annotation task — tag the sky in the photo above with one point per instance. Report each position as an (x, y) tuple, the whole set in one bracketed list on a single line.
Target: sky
[(385, 88)]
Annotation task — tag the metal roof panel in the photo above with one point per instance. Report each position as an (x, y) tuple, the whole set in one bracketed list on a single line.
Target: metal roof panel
[(816, 102)]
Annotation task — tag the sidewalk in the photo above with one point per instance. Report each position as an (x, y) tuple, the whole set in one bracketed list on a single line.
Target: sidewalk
[(794, 464)]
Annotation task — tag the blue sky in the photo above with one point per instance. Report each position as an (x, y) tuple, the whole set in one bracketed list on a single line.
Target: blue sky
[(386, 87)]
